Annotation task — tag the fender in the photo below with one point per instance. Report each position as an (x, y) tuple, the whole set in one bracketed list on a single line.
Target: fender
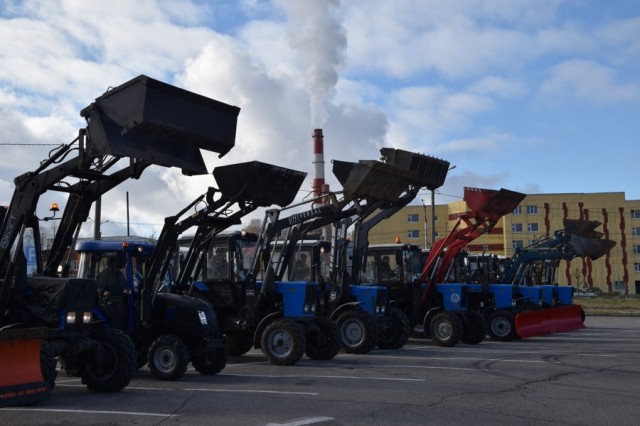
[(344, 307), (261, 326)]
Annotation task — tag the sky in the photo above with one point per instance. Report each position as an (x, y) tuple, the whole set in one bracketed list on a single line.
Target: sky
[(532, 96)]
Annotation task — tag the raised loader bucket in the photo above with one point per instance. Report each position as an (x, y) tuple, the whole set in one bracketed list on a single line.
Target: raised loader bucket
[(430, 172), (372, 179), (590, 247), (548, 321), (21, 380), (491, 204), (261, 183), (154, 121)]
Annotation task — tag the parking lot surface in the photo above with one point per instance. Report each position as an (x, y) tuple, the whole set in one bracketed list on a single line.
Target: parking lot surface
[(586, 377)]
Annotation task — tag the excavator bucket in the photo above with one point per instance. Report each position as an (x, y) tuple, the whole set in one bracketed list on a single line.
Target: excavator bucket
[(21, 380), (430, 172), (491, 204), (373, 180), (154, 121), (548, 321), (260, 183)]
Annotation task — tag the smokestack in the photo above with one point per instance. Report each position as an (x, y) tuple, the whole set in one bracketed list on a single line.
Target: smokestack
[(318, 185)]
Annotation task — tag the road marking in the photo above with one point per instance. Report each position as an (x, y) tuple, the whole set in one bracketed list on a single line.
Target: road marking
[(142, 388), (273, 376), (62, 410), (303, 422)]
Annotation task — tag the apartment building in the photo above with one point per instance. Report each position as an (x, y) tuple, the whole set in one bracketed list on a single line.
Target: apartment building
[(539, 216)]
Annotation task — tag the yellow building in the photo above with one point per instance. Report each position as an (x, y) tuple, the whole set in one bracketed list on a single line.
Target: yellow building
[(539, 216)]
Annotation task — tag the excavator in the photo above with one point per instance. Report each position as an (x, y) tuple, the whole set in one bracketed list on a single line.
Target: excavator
[(47, 316)]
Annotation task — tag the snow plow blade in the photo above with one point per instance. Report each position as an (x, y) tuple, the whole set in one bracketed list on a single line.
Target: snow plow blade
[(157, 122), (21, 381), (548, 321), (261, 183)]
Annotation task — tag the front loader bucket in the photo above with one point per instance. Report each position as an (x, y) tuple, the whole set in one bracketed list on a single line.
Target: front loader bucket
[(548, 321), (583, 228), (154, 121), (260, 183), (372, 179), (492, 204), (21, 380), (430, 172), (591, 247)]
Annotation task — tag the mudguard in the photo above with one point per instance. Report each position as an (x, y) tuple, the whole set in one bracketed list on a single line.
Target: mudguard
[(548, 321)]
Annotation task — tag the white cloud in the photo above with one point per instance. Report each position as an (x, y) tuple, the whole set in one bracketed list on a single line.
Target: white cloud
[(580, 80)]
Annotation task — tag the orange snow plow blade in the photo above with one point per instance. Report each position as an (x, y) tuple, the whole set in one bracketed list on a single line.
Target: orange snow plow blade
[(548, 321), (492, 204), (21, 381)]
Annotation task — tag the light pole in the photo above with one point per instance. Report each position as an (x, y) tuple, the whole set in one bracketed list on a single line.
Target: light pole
[(426, 240)]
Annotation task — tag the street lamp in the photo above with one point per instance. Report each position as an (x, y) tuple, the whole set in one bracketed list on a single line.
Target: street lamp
[(424, 209)]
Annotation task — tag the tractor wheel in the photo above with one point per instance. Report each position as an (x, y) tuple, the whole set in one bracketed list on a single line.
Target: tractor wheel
[(48, 364), (283, 342), (474, 328), (110, 367), (323, 341), (211, 362), (394, 330), (502, 326), (358, 331), (168, 358), (446, 329), (239, 344)]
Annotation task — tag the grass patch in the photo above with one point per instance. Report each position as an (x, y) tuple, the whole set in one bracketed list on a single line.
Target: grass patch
[(610, 305)]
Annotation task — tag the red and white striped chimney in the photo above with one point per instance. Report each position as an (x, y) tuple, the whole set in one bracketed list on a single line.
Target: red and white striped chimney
[(318, 185)]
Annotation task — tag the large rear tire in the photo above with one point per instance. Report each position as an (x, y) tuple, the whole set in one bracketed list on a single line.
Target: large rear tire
[(323, 341), (111, 365), (168, 358), (502, 326), (358, 331), (283, 342), (394, 329), (446, 329)]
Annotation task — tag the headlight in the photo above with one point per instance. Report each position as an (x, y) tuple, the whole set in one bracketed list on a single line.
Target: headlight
[(86, 317), (71, 317), (203, 317)]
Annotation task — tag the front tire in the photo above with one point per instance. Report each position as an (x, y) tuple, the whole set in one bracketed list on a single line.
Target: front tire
[(211, 362), (502, 326), (358, 331), (474, 328), (111, 366), (239, 344), (283, 342), (323, 341), (446, 329), (168, 358), (394, 330)]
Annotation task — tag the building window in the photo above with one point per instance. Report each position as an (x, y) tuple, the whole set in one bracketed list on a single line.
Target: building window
[(619, 286), (413, 218), (516, 227), (413, 234), (532, 209), (635, 231), (517, 244), (532, 227), (635, 214), (636, 249), (435, 218), (517, 210), (636, 267), (485, 247)]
